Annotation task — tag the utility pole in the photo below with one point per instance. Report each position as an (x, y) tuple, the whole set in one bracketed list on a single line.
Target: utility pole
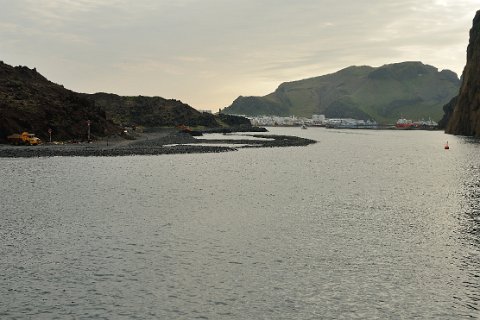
[(107, 133), (88, 124)]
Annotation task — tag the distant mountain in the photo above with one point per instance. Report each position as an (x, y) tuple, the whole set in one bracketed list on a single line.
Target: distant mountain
[(29, 102), (411, 89), (462, 114)]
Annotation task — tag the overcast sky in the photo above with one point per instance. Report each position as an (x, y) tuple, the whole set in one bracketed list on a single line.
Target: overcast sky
[(208, 52)]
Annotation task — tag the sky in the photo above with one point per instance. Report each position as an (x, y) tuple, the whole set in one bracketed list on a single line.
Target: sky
[(208, 52)]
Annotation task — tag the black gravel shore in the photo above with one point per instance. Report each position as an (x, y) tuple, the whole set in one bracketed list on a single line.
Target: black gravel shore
[(149, 144)]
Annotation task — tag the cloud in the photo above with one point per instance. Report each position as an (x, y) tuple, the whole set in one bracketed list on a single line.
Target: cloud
[(192, 46)]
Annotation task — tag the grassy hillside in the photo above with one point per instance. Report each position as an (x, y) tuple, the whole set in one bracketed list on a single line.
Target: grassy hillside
[(411, 89)]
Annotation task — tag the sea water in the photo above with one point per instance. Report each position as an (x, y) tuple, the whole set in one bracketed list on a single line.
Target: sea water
[(364, 224)]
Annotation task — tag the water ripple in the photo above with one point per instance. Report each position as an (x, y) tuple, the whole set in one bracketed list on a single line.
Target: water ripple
[(366, 225)]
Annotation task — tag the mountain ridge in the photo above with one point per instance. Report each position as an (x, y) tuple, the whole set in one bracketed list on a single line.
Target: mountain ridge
[(380, 93)]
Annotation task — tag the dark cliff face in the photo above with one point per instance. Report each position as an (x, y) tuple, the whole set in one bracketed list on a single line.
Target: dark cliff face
[(150, 111), (159, 112), (448, 110), (29, 102), (465, 119)]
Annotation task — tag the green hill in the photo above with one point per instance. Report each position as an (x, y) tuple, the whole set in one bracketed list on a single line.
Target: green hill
[(411, 89)]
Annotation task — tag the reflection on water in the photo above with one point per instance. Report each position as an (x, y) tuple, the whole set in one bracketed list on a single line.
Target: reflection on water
[(362, 225), (469, 225), (470, 257), (233, 136), (238, 145), (470, 194)]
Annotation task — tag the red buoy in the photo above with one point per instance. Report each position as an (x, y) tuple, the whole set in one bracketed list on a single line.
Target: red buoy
[(446, 146)]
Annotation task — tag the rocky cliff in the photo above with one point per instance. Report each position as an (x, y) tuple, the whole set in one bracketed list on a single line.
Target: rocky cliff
[(410, 89), (160, 112), (29, 102), (465, 118), (150, 111)]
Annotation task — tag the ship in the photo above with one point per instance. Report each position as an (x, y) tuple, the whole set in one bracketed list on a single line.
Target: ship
[(405, 124)]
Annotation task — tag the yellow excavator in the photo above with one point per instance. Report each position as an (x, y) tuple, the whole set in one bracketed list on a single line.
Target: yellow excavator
[(24, 138)]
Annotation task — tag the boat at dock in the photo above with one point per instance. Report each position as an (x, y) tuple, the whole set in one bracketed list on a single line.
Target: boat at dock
[(405, 124)]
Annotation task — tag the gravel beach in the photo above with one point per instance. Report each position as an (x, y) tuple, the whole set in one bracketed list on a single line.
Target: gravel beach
[(167, 141)]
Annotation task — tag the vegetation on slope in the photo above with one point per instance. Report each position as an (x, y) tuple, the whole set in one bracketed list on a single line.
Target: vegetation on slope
[(411, 89), (160, 112), (150, 111)]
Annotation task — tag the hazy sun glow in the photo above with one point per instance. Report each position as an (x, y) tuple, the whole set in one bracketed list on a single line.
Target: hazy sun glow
[(207, 53)]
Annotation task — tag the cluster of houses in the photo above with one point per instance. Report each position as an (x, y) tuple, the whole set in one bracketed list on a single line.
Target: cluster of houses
[(268, 121), (315, 120), (340, 123)]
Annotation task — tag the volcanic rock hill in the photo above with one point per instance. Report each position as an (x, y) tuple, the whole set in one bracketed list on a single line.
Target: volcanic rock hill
[(29, 102), (159, 112), (411, 89), (465, 117)]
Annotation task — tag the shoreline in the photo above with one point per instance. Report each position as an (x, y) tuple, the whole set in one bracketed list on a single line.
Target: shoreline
[(153, 143)]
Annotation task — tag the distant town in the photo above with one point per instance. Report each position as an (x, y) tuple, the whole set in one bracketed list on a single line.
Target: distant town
[(315, 120), (346, 123)]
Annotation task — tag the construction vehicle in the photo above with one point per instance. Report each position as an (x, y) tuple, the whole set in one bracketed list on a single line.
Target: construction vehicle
[(186, 129), (26, 138)]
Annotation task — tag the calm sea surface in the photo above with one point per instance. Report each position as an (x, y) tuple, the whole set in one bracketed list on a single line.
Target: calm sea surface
[(361, 225)]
